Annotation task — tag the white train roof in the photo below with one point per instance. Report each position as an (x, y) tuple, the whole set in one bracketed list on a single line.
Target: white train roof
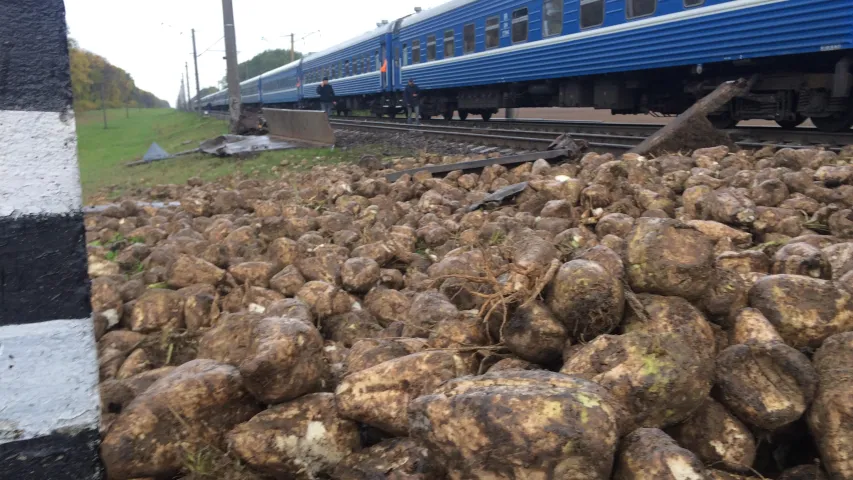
[(381, 30), (434, 12)]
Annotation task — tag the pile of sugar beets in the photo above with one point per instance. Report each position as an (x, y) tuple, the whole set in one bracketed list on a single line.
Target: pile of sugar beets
[(678, 317)]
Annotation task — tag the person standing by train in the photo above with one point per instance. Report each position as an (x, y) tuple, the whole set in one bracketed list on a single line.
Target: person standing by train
[(412, 99), (327, 96)]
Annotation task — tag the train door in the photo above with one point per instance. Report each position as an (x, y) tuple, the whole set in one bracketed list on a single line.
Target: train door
[(398, 65), (382, 66)]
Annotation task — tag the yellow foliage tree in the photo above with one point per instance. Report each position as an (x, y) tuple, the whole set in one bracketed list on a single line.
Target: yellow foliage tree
[(91, 72)]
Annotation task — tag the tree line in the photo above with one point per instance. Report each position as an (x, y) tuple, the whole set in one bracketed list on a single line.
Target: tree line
[(261, 63), (91, 72)]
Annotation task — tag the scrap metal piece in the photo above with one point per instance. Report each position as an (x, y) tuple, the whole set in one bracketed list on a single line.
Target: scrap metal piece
[(474, 165), (499, 196), (230, 145), (155, 152), (305, 126)]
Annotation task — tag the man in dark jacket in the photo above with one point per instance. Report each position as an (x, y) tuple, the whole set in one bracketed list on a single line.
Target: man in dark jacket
[(327, 96), (412, 98)]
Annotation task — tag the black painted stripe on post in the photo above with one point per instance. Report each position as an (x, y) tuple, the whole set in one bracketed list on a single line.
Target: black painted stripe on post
[(61, 456), (34, 67), (43, 269)]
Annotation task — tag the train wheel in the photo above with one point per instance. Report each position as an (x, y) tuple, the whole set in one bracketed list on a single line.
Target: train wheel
[(790, 124), (487, 116), (837, 122), (448, 115), (378, 114), (463, 115)]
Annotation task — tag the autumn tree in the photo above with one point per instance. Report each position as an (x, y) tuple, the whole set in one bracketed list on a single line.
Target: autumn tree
[(89, 72), (261, 63)]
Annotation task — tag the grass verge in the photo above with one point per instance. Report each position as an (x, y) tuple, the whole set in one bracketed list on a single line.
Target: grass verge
[(103, 153)]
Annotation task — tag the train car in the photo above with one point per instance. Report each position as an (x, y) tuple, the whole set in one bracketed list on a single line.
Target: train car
[(633, 56), (216, 101), (250, 92), (280, 88), (357, 69)]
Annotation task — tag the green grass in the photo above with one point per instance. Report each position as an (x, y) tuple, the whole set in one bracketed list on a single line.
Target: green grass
[(104, 153)]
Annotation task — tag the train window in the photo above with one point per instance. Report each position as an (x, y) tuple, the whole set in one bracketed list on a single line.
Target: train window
[(592, 13), (639, 8), (347, 73), (405, 55), (519, 25), (493, 27), (469, 38), (449, 43), (378, 61), (430, 48), (693, 3), (552, 17), (416, 51)]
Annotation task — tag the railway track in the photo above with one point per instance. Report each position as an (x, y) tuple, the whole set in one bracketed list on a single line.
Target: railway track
[(527, 139), (530, 134), (603, 136)]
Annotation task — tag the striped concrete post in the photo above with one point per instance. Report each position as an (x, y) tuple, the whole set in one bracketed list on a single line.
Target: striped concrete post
[(48, 366)]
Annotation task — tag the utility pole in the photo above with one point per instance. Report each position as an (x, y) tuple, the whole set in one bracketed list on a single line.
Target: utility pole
[(103, 105), (234, 106), (197, 83), (189, 95), (292, 48)]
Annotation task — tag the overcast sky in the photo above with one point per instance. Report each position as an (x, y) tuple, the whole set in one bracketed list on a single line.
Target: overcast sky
[(151, 39)]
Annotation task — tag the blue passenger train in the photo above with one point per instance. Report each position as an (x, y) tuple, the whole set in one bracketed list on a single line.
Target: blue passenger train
[(473, 57)]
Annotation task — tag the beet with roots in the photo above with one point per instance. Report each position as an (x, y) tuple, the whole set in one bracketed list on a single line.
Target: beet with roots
[(587, 298)]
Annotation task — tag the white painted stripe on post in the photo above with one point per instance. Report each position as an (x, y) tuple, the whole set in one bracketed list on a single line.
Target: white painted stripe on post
[(38, 163), (48, 379)]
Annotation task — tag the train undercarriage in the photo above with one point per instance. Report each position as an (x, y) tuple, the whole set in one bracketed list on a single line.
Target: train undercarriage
[(820, 89)]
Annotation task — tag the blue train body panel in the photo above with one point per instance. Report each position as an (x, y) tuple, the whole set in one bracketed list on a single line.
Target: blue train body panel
[(353, 68), (357, 85), (282, 84), (674, 35), (250, 91)]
